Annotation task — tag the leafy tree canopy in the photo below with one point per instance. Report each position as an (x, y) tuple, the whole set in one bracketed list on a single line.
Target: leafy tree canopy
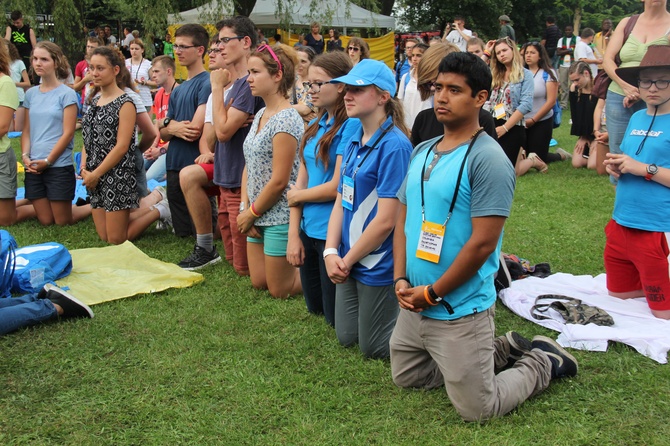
[(528, 17)]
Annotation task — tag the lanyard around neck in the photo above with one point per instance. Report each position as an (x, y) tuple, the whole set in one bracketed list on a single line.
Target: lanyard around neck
[(372, 147), (458, 179), (138, 68)]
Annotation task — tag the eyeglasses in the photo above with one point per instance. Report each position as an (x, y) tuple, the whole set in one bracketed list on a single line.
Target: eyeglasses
[(314, 86), (266, 47), (225, 40), (183, 47), (661, 84), (214, 51), (353, 48)]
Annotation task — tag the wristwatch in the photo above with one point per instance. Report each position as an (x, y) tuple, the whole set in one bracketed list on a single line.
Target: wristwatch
[(652, 169), (166, 121), (162, 150)]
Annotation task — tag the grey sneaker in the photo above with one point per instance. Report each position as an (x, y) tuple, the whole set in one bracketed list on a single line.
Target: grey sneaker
[(70, 305), (563, 364), (565, 155), (200, 258)]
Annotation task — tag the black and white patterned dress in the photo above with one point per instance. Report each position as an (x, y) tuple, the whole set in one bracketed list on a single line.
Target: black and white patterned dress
[(117, 189)]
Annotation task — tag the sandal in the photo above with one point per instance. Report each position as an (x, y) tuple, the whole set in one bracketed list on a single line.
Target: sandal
[(538, 164)]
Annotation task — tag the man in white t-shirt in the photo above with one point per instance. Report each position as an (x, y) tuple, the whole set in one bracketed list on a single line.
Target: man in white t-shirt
[(459, 36), (584, 52)]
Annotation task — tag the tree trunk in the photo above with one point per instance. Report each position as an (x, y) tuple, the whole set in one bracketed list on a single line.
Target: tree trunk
[(578, 20)]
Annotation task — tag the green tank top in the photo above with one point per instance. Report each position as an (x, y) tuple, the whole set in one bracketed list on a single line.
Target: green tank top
[(631, 55)]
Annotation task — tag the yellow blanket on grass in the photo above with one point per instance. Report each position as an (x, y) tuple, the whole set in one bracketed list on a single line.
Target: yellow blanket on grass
[(114, 272)]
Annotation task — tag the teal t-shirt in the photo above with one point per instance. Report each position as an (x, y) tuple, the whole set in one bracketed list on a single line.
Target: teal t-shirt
[(486, 189)]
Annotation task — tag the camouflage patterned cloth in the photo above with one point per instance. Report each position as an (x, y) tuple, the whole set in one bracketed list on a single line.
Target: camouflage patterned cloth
[(574, 311)]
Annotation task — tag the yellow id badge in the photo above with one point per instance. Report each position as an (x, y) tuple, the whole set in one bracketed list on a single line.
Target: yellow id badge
[(499, 111), (430, 241)]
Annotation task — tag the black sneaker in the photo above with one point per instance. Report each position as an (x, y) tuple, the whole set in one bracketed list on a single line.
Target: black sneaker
[(200, 258), (70, 305), (563, 364), (518, 345)]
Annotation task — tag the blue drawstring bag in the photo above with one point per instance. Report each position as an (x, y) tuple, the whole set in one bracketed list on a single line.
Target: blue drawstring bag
[(37, 265), (7, 262)]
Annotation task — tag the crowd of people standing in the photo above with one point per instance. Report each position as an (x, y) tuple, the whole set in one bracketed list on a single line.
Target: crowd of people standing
[(303, 157)]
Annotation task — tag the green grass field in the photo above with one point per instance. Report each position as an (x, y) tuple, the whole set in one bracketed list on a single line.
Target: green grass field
[(221, 363)]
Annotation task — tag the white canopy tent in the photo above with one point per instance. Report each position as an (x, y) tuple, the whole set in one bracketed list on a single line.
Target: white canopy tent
[(331, 13)]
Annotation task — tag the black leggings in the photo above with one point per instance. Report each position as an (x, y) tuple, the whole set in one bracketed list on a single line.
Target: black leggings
[(512, 141), (538, 138)]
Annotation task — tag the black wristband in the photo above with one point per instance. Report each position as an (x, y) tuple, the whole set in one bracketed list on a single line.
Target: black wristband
[(433, 294), (395, 282)]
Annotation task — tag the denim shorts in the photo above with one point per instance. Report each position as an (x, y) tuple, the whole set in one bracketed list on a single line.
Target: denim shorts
[(273, 238)]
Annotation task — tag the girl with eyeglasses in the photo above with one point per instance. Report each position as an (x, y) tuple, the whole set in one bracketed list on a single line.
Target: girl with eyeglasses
[(271, 156), (312, 197), (359, 244), (358, 50), (300, 99), (511, 97), (582, 106)]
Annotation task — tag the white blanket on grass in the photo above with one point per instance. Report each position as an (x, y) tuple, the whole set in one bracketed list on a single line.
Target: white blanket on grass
[(634, 324)]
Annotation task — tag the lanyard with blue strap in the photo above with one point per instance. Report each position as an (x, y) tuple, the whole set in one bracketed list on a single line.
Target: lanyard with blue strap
[(348, 181)]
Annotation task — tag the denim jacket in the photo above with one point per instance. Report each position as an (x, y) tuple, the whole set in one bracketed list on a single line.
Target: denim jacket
[(522, 93)]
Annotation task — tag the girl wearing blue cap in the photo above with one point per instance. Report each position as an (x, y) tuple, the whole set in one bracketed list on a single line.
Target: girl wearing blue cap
[(359, 251)]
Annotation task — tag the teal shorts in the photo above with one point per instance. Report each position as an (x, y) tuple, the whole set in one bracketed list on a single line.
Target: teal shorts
[(273, 238)]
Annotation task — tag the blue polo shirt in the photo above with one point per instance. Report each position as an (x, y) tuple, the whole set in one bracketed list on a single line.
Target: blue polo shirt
[(315, 215), (379, 175), (486, 189), (184, 101)]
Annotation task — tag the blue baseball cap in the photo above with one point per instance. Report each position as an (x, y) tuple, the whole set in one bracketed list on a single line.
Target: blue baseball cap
[(369, 72)]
